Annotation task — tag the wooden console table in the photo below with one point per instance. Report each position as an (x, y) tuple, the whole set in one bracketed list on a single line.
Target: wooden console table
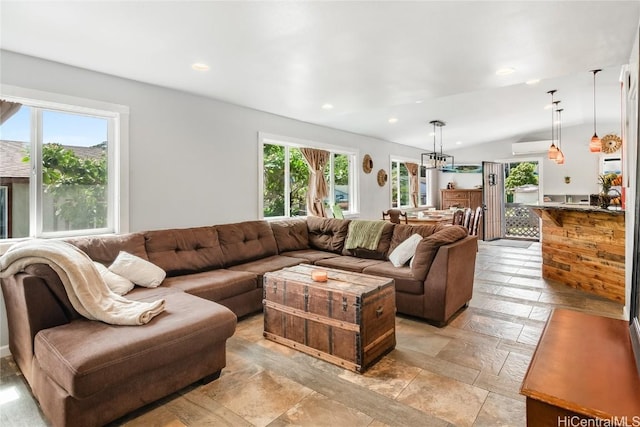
[(583, 369)]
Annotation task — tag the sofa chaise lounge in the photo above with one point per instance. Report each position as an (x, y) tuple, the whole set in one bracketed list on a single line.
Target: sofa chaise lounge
[(88, 373)]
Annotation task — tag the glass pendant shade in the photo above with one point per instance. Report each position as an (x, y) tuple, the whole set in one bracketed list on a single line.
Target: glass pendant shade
[(595, 145), (559, 158), (553, 152)]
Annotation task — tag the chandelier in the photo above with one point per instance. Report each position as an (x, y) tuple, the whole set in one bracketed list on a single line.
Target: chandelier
[(435, 159)]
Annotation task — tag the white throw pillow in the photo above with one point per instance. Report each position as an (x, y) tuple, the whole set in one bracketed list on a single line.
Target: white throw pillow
[(139, 271), (118, 284), (405, 250)]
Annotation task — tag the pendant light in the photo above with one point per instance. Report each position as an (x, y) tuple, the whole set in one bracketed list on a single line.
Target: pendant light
[(595, 145), (560, 157), (553, 150), (437, 160)]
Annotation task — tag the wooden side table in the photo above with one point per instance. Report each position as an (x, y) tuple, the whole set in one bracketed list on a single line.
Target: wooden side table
[(583, 369)]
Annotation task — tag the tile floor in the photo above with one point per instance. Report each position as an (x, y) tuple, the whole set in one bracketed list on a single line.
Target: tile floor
[(465, 374)]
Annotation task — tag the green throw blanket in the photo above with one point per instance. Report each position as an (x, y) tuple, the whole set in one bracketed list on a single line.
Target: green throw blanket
[(364, 234)]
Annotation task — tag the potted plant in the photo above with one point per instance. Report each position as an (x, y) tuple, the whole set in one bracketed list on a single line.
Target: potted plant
[(606, 181)]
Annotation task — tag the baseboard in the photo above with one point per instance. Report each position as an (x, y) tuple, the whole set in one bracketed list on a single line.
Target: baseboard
[(4, 351)]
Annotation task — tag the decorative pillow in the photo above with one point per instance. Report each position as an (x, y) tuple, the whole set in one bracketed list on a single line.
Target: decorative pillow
[(138, 270), (405, 250), (118, 284)]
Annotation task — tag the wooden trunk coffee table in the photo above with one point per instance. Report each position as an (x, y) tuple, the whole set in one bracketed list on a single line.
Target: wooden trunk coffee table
[(349, 320)]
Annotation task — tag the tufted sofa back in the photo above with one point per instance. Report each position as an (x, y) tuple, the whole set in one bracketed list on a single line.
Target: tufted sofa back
[(246, 241), (184, 251), (105, 249), (327, 234)]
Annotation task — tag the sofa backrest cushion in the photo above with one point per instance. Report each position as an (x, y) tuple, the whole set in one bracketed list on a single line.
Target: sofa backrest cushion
[(105, 249), (246, 241), (290, 234), (327, 234), (428, 248), (402, 232), (184, 251), (380, 252)]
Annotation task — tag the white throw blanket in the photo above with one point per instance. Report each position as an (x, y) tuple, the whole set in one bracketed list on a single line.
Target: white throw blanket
[(87, 291)]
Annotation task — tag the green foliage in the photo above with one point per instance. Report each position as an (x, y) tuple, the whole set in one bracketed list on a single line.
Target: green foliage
[(273, 192), (522, 174), (77, 187)]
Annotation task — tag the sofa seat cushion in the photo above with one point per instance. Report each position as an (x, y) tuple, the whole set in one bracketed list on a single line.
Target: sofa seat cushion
[(403, 277), (348, 263), (215, 285), (184, 250), (85, 357), (310, 256), (265, 265)]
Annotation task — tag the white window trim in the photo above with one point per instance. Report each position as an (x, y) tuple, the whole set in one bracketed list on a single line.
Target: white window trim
[(393, 158), (118, 154), (269, 138)]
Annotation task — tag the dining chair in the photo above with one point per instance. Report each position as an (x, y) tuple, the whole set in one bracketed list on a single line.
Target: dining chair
[(467, 221), (395, 216), (476, 221), (458, 217)]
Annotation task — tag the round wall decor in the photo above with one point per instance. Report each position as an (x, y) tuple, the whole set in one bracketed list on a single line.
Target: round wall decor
[(382, 177), (367, 164), (611, 143)]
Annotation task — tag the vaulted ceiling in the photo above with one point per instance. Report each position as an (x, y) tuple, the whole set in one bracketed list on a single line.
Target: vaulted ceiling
[(371, 60)]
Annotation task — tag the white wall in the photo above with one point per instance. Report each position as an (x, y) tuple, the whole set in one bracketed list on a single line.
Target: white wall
[(580, 164), (193, 160)]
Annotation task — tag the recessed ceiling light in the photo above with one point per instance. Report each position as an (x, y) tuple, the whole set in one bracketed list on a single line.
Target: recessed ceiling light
[(533, 81), (458, 142), (327, 107), (505, 71), (198, 66), (393, 120), (419, 101), (547, 107)]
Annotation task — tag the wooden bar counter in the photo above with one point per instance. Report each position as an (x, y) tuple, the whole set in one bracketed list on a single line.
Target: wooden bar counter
[(583, 247)]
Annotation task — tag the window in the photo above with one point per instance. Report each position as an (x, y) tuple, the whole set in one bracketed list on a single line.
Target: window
[(285, 178), (58, 170), (401, 187)]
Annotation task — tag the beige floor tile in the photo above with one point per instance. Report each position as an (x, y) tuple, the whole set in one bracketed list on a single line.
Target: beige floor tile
[(501, 411), (530, 335), (387, 377), (474, 356), (448, 399), (263, 398), (519, 293), (494, 327), (317, 410)]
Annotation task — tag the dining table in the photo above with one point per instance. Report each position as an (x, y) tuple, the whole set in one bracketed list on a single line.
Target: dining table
[(431, 217)]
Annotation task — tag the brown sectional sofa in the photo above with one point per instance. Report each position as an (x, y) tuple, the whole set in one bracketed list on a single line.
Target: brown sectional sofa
[(88, 373)]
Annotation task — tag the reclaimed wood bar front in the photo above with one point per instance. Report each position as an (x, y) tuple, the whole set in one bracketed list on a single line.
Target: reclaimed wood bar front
[(583, 247)]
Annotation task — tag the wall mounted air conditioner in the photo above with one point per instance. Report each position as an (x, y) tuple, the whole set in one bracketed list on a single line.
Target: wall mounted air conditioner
[(531, 147)]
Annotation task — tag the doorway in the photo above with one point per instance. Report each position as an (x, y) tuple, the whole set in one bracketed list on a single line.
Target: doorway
[(521, 188)]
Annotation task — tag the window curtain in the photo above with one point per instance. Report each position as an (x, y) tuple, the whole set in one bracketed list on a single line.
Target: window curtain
[(8, 109), (413, 182), (316, 160)]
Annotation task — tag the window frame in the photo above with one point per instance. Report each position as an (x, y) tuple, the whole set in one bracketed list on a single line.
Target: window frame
[(290, 142), (117, 157), (393, 159)]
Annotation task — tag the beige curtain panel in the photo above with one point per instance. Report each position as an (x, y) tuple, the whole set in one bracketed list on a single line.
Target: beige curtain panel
[(317, 160), (8, 109), (413, 183)]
